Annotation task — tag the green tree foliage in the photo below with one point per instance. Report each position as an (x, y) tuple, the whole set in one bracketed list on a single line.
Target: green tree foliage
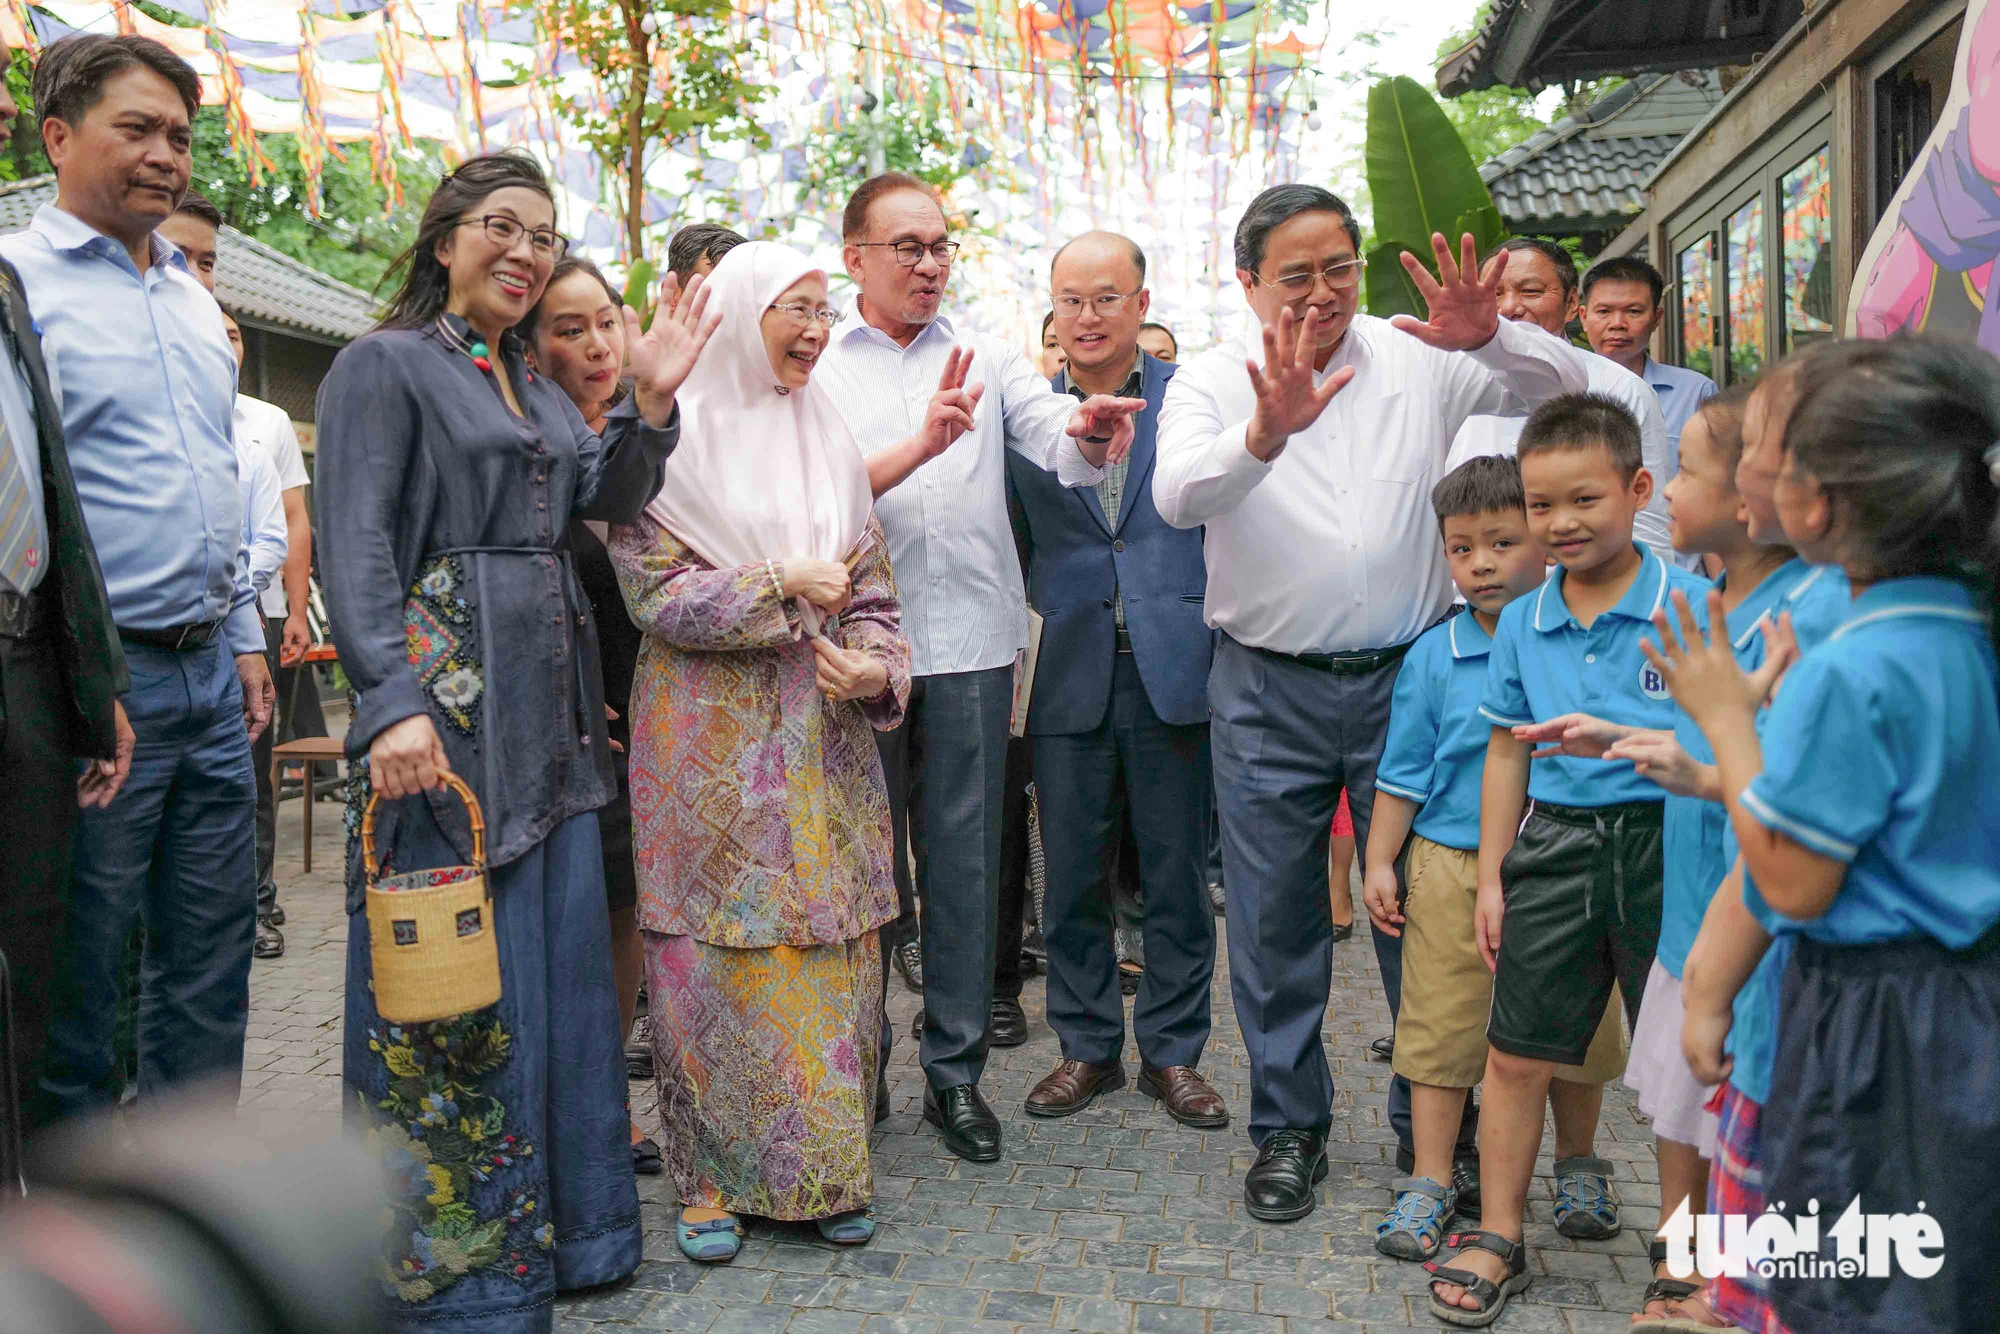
[(898, 134), (24, 157), (672, 76)]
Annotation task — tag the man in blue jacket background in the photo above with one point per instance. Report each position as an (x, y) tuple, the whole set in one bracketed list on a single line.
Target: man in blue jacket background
[(1119, 718)]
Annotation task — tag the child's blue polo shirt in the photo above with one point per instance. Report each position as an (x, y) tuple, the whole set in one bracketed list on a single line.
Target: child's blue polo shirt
[(1817, 598), (1879, 753), (1436, 752), (1545, 664), (1818, 604)]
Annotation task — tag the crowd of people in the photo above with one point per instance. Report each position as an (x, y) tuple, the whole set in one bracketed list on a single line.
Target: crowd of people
[(1648, 709)]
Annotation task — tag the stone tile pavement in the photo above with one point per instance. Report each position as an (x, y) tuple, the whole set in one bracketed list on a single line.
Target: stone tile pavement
[(1113, 1220)]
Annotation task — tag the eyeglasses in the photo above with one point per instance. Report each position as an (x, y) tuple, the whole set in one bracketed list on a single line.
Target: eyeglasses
[(504, 231), (801, 314), (1106, 304), (911, 253), (1341, 273)]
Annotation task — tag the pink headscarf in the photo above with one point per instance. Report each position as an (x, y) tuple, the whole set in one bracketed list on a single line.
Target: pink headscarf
[(760, 474)]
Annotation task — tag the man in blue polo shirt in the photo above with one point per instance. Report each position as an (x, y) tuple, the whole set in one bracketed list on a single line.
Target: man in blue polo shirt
[(1621, 308), (1579, 913), (141, 368)]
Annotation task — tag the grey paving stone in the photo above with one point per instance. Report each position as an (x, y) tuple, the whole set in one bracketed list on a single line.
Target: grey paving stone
[(1170, 1320), (873, 1294), (1004, 1275), (669, 1311), (1097, 1315), (1220, 1294), (752, 1320), (1159, 1288), (1239, 1322), (826, 1322), (1117, 1255), (865, 1263), (1027, 1308), (1273, 1299), (1070, 1281), (725, 1286), (804, 1290), (900, 1324)]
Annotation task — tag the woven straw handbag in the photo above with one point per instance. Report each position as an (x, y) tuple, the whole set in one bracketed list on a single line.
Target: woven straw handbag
[(431, 933)]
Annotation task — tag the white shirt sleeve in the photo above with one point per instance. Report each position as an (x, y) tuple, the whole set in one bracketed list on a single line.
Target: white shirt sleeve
[(1651, 525), (1201, 468), (286, 456), (1035, 418), (264, 516), (1521, 367)]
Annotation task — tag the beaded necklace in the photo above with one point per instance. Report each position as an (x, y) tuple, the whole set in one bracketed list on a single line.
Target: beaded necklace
[(477, 350)]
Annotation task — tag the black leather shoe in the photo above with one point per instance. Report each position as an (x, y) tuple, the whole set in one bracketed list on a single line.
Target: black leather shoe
[(270, 942), (969, 1128), (1007, 1024), (917, 1025), (908, 958), (1278, 1188), (639, 1050), (276, 917), (1465, 1180), (881, 1095)]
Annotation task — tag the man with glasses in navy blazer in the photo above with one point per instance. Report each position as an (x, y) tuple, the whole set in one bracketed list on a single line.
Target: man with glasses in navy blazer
[(1119, 718)]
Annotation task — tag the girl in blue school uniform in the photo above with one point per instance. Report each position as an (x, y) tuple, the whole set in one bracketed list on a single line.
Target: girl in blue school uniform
[(1868, 818)]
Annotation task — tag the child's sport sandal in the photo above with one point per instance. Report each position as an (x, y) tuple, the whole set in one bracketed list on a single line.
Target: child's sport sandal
[(1413, 1229), (1668, 1291), (1492, 1297), (1586, 1201)]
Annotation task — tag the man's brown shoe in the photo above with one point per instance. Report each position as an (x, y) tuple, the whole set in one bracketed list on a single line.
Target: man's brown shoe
[(1073, 1086), (1188, 1098)]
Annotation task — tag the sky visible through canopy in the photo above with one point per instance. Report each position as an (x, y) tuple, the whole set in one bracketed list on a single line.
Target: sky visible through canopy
[(1169, 155)]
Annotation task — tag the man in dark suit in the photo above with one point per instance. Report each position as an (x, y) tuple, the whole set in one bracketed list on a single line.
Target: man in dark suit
[(61, 670), (1119, 718)]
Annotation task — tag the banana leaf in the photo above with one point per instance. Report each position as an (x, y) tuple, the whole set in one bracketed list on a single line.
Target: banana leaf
[(641, 284), (1421, 180), (1390, 290)]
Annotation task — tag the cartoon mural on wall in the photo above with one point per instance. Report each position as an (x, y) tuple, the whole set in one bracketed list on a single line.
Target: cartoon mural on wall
[(1930, 264)]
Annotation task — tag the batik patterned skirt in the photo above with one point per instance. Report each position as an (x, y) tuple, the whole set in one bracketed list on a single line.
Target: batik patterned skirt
[(766, 1064)]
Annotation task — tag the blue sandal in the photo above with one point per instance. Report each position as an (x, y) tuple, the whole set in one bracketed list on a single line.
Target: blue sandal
[(714, 1242), (1586, 1201), (1413, 1229), (853, 1228)]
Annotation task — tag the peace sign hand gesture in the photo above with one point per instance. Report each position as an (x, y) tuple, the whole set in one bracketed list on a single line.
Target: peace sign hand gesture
[(950, 413), (1464, 303), (1287, 399), (661, 357)]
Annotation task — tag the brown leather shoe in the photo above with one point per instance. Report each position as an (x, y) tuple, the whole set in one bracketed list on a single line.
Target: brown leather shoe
[(1073, 1086), (1188, 1098)]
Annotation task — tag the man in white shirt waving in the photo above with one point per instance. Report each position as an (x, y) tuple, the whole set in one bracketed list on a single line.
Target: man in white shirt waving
[(1311, 469), (964, 608)]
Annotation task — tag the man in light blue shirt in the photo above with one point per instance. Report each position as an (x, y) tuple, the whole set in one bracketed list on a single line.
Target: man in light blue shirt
[(146, 384), (1621, 309)]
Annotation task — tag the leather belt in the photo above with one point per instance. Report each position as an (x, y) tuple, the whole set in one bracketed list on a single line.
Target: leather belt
[(176, 638), (24, 615), (1359, 662), (1122, 638)]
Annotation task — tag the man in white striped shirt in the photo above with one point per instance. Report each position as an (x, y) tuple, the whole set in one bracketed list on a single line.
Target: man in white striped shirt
[(964, 607)]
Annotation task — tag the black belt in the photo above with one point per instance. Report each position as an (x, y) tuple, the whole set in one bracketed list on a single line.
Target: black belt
[(1359, 662), (1645, 814), (176, 638), (1122, 638), (24, 615)]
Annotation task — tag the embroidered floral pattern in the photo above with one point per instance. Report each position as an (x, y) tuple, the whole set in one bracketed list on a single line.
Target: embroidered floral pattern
[(437, 627), (443, 1141)]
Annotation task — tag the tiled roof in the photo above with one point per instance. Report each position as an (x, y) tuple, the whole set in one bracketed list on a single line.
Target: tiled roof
[(1591, 169), (1534, 43), (265, 285)]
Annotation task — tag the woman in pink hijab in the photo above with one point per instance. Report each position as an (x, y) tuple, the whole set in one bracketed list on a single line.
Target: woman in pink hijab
[(761, 581)]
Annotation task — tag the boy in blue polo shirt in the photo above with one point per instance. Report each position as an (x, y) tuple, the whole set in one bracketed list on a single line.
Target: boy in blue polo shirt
[(1427, 796), (1579, 913)]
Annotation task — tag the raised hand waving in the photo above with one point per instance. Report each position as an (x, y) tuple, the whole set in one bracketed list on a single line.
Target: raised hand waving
[(1464, 303), (950, 413), (661, 357), (1287, 399)]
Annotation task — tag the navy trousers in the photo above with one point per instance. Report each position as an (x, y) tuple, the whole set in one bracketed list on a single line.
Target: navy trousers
[(176, 851), (946, 768), (1083, 781), (1286, 739)]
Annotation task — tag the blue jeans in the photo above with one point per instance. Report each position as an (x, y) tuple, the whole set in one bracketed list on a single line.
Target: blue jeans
[(177, 851)]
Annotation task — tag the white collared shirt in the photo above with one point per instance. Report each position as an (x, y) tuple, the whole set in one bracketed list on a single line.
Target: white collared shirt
[(265, 429), (265, 536), (964, 606), (1499, 435), (1339, 550)]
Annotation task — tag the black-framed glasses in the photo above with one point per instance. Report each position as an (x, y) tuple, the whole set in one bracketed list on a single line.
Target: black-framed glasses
[(1106, 304), (1340, 274), (801, 314), (909, 254), (504, 231)]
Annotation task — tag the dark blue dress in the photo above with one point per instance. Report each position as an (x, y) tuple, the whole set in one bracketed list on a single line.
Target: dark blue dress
[(441, 517)]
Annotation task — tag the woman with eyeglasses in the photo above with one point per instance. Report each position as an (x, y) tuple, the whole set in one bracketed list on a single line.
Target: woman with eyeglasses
[(773, 646), (448, 472)]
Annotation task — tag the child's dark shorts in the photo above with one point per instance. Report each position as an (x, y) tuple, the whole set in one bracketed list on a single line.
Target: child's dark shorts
[(1582, 915)]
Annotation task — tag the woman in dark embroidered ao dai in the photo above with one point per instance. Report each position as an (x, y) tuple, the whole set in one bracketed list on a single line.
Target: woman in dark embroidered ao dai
[(447, 476)]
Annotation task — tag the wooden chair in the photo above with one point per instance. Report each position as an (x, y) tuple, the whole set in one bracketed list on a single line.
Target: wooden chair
[(307, 752)]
